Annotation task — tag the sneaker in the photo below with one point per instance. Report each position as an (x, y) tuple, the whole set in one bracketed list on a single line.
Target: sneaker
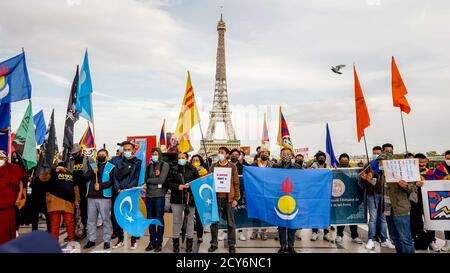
[(119, 244), (264, 236), (338, 239), (106, 245), (291, 250), (371, 245), (328, 237), (150, 247), (133, 246), (298, 235), (242, 236), (282, 250), (434, 246), (232, 249), (314, 236), (158, 248), (446, 246), (88, 245), (387, 244), (254, 235), (212, 248), (357, 240)]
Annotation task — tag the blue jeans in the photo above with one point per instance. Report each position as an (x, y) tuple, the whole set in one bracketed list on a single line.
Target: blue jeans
[(400, 232), (282, 232), (377, 220), (155, 210)]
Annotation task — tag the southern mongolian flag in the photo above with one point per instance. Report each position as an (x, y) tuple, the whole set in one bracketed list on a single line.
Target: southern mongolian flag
[(289, 197), (362, 114), (284, 138), (15, 84), (5, 125), (87, 141), (25, 138), (399, 89), (162, 138), (188, 117), (265, 135)]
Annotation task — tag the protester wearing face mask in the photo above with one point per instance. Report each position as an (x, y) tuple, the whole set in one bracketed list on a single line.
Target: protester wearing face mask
[(423, 239), (181, 200), (235, 159), (299, 159), (126, 176), (80, 167), (262, 162), (442, 172), (242, 158), (226, 202), (114, 160), (99, 200), (197, 163), (11, 178), (344, 162), (286, 235), (377, 220), (155, 179)]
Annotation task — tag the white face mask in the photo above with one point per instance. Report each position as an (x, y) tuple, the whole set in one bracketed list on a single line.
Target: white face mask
[(447, 161), (375, 156), (221, 157), (2, 162)]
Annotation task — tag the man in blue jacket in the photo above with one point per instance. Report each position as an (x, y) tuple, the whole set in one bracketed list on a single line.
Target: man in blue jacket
[(126, 176)]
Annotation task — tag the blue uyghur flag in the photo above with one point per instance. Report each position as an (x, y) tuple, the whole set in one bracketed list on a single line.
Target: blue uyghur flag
[(330, 151), (128, 215), (41, 128), (205, 198), (84, 91), (141, 154), (15, 84), (290, 198)]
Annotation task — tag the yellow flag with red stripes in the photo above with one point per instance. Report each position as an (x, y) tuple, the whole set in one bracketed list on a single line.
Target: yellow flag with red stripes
[(188, 117)]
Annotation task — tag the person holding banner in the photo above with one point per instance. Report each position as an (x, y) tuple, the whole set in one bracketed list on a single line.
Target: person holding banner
[(442, 172), (226, 201), (99, 200), (344, 162), (126, 176), (286, 235), (155, 179), (181, 200), (262, 162), (197, 163)]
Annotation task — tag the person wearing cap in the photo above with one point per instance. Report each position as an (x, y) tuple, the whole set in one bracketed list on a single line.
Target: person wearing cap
[(79, 165), (155, 179), (11, 184), (126, 176)]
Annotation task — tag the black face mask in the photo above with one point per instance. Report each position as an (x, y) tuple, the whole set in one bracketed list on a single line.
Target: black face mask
[(264, 157), (299, 162), (234, 159), (101, 159), (321, 161), (344, 165)]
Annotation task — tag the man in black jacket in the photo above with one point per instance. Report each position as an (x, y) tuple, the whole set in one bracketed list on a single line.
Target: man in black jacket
[(126, 176)]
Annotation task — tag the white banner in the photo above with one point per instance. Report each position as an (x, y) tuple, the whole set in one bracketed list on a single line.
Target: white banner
[(401, 169), (436, 204), (222, 179)]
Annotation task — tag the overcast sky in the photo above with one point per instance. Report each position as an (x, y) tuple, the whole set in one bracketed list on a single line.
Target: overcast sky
[(277, 53)]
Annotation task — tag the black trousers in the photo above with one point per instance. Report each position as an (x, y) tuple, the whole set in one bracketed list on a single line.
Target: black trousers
[(198, 225), (38, 205), (416, 222), (115, 226), (225, 211), (353, 231)]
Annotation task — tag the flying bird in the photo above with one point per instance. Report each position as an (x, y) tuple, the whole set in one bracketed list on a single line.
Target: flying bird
[(336, 69)]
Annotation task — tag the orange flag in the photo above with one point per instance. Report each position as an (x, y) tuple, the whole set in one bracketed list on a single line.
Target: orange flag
[(399, 89), (362, 114)]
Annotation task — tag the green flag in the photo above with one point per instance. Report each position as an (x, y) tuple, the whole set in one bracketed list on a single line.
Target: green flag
[(25, 136)]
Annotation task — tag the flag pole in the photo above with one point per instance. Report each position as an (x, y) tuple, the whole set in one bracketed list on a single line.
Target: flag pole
[(204, 146), (367, 151), (403, 127)]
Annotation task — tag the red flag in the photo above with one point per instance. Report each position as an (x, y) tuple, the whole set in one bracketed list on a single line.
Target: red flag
[(362, 114), (399, 89)]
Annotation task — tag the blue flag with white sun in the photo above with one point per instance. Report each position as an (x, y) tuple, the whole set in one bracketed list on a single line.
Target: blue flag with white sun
[(289, 197)]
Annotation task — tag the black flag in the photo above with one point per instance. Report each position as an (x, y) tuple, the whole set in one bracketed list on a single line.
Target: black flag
[(71, 118), (49, 150)]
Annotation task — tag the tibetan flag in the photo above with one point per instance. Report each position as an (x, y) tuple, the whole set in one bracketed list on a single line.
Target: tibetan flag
[(284, 138), (26, 138), (84, 91), (399, 89), (188, 117), (162, 137), (41, 128), (362, 114), (329, 145), (290, 198), (265, 135), (15, 84), (87, 141)]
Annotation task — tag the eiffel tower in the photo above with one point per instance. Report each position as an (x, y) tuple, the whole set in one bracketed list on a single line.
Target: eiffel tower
[(221, 110)]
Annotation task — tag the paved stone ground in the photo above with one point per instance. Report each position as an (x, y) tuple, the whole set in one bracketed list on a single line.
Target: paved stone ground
[(249, 246)]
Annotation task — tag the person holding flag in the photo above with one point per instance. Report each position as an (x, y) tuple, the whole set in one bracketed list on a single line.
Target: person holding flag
[(198, 163), (155, 179)]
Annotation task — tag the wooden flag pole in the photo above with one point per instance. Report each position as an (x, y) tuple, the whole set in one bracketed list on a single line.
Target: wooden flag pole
[(365, 145), (403, 127)]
